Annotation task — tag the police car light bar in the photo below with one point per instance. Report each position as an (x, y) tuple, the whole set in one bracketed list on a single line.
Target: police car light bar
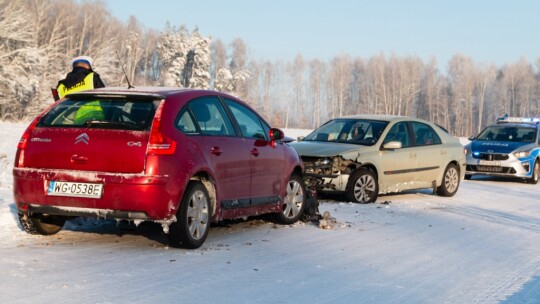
[(527, 120)]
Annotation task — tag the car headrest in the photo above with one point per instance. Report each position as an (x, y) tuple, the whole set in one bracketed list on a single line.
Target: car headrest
[(201, 112)]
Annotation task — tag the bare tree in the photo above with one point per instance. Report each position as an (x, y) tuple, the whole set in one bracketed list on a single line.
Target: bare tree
[(340, 78), (219, 57), (316, 72), (518, 81), (485, 78), (297, 73), (378, 85), (267, 79), (238, 55), (414, 69), (427, 96), (461, 76)]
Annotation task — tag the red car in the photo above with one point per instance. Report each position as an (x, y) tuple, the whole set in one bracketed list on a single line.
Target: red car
[(180, 157)]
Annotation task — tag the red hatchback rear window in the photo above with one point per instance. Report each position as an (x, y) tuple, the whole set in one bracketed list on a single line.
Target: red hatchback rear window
[(123, 114)]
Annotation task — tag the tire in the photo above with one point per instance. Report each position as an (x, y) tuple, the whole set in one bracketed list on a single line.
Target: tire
[(362, 187), (41, 224), (535, 175), (193, 218), (450, 181), (294, 201)]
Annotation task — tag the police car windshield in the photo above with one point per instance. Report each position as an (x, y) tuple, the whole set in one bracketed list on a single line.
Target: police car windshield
[(508, 133)]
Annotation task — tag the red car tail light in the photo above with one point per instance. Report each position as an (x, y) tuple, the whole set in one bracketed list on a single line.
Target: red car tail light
[(23, 143), (159, 144)]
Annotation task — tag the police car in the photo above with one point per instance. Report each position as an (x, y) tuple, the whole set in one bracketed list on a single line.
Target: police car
[(509, 148)]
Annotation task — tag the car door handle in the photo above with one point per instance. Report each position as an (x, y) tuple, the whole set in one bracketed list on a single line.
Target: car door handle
[(412, 155), (216, 151), (79, 159), (443, 152), (255, 152)]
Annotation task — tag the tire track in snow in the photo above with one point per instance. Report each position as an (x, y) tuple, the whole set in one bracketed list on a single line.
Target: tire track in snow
[(505, 288), (510, 188), (493, 216), (500, 286)]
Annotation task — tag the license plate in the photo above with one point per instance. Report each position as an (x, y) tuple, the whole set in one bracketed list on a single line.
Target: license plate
[(57, 188), (489, 163), (489, 169)]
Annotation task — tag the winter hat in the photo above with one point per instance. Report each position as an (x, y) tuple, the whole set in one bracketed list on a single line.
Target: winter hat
[(85, 59)]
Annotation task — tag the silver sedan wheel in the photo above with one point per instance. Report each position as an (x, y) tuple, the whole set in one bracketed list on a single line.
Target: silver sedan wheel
[(451, 179), (294, 199), (364, 188), (197, 215)]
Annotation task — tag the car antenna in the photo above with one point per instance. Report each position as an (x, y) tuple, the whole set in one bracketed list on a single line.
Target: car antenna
[(123, 70)]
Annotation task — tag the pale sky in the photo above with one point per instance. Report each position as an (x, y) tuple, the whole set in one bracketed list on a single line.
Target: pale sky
[(493, 31)]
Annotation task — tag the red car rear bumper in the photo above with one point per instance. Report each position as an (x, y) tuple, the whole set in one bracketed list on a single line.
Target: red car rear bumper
[(124, 196)]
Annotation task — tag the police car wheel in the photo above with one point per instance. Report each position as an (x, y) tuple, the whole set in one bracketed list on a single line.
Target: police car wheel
[(535, 174)]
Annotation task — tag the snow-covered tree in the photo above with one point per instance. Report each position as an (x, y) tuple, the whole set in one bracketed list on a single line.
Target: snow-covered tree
[(200, 76), (173, 48), (21, 62), (228, 82), (224, 81), (185, 58)]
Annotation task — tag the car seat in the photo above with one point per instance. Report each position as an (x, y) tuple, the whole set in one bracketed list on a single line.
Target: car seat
[(202, 114), (501, 137), (139, 114), (528, 137), (322, 136), (402, 136)]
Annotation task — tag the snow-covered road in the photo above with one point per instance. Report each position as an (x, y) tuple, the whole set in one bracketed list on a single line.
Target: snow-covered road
[(480, 246)]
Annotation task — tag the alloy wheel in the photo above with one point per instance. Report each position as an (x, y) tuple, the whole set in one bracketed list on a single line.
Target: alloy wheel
[(294, 199), (197, 215), (451, 179), (364, 188)]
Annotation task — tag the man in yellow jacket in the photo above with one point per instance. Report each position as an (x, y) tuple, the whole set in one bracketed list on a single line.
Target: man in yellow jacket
[(82, 78)]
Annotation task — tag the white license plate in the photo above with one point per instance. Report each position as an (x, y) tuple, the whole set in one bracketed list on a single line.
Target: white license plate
[(57, 188), (495, 163)]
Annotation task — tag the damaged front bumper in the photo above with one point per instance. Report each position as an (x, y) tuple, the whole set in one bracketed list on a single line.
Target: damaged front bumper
[(328, 173)]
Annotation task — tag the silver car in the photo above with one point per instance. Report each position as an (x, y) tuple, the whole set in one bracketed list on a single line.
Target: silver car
[(363, 156)]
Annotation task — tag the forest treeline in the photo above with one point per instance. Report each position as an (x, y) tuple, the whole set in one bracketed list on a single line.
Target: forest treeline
[(38, 38)]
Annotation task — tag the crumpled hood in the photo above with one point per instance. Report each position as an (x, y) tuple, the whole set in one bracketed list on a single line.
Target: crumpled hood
[(323, 149), (505, 147)]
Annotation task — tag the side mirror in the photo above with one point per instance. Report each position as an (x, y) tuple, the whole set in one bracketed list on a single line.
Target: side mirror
[(471, 138), (275, 134), (392, 145)]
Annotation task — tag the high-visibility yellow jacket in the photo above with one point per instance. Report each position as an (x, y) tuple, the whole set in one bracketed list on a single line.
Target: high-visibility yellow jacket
[(86, 84)]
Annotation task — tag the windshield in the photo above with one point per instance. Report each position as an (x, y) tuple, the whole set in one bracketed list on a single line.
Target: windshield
[(352, 131), (508, 133), (122, 114)]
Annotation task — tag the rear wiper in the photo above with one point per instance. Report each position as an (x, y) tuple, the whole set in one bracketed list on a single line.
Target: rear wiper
[(111, 124)]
